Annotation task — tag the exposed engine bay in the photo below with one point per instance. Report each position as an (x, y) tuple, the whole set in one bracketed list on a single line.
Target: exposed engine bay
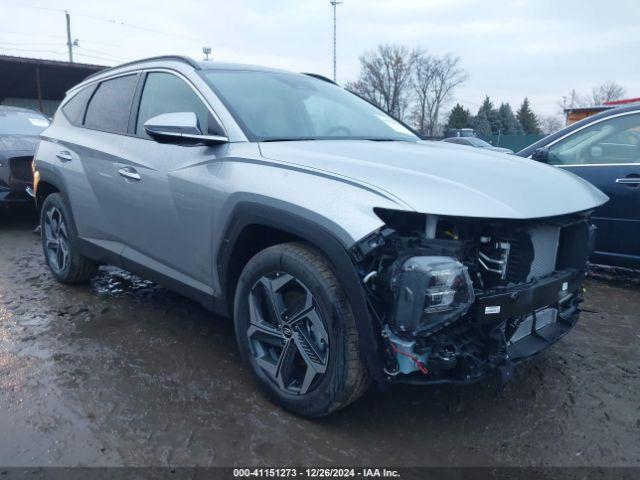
[(459, 298)]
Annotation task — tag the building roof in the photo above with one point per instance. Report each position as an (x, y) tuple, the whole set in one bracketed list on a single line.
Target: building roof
[(625, 101), (595, 108), (20, 75)]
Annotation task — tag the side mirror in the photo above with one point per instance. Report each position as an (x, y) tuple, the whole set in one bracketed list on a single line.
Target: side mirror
[(179, 127), (541, 154)]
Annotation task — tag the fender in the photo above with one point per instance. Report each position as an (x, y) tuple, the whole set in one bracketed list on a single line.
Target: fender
[(250, 213), (44, 173)]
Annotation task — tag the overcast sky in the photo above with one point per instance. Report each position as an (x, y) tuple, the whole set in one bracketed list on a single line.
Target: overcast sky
[(510, 48)]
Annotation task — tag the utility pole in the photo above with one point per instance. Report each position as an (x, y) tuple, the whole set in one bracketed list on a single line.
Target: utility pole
[(69, 43), (334, 4)]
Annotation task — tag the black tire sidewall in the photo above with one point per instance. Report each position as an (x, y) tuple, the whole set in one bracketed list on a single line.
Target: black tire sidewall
[(319, 400), (56, 200)]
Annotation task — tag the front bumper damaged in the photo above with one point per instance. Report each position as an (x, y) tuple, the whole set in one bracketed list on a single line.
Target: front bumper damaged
[(500, 330), (445, 317)]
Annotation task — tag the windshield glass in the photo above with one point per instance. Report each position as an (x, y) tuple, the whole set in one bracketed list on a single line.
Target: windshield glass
[(271, 106), (476, 142), (21, 123)]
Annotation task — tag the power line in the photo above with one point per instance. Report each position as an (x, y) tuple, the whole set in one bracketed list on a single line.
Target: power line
[(11, 32), (31, 50), (106, 54), (103, 19), (21, 44)]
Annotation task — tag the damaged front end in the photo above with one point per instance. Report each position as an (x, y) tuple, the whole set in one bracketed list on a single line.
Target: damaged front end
[(457, 299)]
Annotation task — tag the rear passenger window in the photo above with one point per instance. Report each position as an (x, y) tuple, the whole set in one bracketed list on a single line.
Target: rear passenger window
[(110, 106), (166, 93), (74, 108)]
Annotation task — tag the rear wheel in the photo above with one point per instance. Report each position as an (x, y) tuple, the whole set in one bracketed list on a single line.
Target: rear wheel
[(59, 242), (295, 328)]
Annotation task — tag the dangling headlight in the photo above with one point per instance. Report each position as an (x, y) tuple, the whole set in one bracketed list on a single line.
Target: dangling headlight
[(430, 292)]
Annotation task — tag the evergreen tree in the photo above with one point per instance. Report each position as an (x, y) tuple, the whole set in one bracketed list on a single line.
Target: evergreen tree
[(490, 114), (527, 118), (481, 124), (509, 124), (459, 117)]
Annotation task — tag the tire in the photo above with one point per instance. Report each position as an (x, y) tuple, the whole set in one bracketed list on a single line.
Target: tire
[(60, 240), (321, 367)]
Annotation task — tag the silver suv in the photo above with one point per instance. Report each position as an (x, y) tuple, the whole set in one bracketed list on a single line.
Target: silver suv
[(346, 249)]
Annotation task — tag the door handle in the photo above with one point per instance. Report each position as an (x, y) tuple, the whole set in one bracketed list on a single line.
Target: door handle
[(630, 181), (64, 155), (129, 172)]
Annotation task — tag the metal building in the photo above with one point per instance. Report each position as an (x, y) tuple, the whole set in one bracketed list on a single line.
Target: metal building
[(39, 84)]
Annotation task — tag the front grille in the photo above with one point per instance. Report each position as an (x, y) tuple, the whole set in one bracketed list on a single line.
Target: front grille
[(20, 168)]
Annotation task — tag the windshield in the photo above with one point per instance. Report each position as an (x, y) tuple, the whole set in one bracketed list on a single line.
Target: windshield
[(14, 122), (271, 106)]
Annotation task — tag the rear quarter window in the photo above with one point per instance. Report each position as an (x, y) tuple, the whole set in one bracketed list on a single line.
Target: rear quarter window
[(110, 105), (74, 109)]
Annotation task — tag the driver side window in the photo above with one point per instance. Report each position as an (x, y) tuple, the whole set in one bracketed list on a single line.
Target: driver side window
[(166, 93), (615, 140)]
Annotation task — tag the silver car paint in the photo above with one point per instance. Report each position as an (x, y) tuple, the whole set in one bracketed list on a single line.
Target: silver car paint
[(172, 220), (437, 179)]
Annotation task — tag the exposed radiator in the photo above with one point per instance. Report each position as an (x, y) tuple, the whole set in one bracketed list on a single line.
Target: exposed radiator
[(545, 240)]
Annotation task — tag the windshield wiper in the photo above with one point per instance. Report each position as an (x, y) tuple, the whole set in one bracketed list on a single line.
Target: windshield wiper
[(288, 139)]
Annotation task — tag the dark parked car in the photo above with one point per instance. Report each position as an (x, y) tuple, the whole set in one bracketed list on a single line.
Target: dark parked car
[(476, 143), (604, 150), (19, 136)]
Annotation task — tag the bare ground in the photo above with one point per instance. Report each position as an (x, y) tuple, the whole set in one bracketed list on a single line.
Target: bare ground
[(122, 372)]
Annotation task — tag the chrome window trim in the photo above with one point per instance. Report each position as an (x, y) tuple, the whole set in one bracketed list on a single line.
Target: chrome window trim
[(142, 70), (71, 93), (598, 164), (633, 112), (193, 87)]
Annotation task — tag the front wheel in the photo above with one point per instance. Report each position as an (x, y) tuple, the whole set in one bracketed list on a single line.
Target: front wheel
[(295, 328)]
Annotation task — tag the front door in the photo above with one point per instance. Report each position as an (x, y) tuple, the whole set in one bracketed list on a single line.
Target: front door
[(607, 154), (168, 201)]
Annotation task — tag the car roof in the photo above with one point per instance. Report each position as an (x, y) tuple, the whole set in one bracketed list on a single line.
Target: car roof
[(525, 152), (208, 65)]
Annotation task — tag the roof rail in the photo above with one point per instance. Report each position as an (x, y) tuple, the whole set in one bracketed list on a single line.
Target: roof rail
[(319, 77), (177, 58)]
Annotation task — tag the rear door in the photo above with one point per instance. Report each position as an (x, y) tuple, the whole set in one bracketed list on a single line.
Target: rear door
[(607, 154), (167, 190), (87, 151)]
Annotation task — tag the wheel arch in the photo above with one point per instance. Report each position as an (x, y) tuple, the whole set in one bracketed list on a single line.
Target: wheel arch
[(47, 182), (254, 226)]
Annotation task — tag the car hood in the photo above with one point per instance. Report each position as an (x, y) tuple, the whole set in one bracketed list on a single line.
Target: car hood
[(431, 177), (18, 143)]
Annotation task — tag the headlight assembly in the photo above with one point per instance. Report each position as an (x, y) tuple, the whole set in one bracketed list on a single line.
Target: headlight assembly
[(430, 292)]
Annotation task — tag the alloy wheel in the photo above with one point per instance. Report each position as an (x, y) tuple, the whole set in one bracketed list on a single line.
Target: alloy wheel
[(56, 239), (287, 335)]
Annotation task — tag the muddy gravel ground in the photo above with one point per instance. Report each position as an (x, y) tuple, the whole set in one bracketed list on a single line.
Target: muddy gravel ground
[(121, 372)]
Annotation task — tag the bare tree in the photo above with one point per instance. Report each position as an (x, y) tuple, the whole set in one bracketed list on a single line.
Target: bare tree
[(550, 124), (573, 100), (434, 80), (607, 92), (423, 81), (384, 77)]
